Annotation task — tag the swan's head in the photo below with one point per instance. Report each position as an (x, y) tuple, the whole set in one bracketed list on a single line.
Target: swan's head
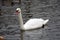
[(18, 10)]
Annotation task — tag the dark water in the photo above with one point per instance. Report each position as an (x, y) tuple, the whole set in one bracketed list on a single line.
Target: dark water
[(46, 9)]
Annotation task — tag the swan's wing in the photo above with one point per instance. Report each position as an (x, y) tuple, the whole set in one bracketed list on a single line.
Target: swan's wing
[(33, 23)]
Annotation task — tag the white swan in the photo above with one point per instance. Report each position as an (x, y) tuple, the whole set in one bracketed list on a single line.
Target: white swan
[(32, 23)]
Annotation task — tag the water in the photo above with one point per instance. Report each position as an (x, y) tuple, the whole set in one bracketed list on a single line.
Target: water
[(10, 29)]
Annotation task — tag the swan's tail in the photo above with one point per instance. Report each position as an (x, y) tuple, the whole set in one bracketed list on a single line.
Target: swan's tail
[(46, 21)]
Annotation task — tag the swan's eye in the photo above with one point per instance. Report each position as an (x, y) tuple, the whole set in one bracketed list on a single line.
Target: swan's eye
[(17, 10)]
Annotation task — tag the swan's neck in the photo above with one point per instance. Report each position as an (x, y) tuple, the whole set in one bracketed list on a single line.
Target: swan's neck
[(20, 20)]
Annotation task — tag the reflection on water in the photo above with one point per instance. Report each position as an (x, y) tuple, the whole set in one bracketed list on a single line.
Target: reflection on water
[(32, 34)]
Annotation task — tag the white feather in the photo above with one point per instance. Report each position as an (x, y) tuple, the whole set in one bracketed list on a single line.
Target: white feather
[(33, 23), (46, 21)]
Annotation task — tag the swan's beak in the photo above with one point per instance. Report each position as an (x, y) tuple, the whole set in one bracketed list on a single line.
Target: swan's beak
[(17, 12)]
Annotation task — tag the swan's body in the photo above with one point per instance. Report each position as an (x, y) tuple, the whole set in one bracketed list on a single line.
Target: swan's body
[(32, 23)]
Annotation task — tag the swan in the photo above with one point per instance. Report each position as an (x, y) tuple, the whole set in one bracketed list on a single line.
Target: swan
[(31, 23)]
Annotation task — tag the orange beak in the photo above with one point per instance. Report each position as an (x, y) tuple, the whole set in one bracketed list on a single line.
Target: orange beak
[(17, 12)]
